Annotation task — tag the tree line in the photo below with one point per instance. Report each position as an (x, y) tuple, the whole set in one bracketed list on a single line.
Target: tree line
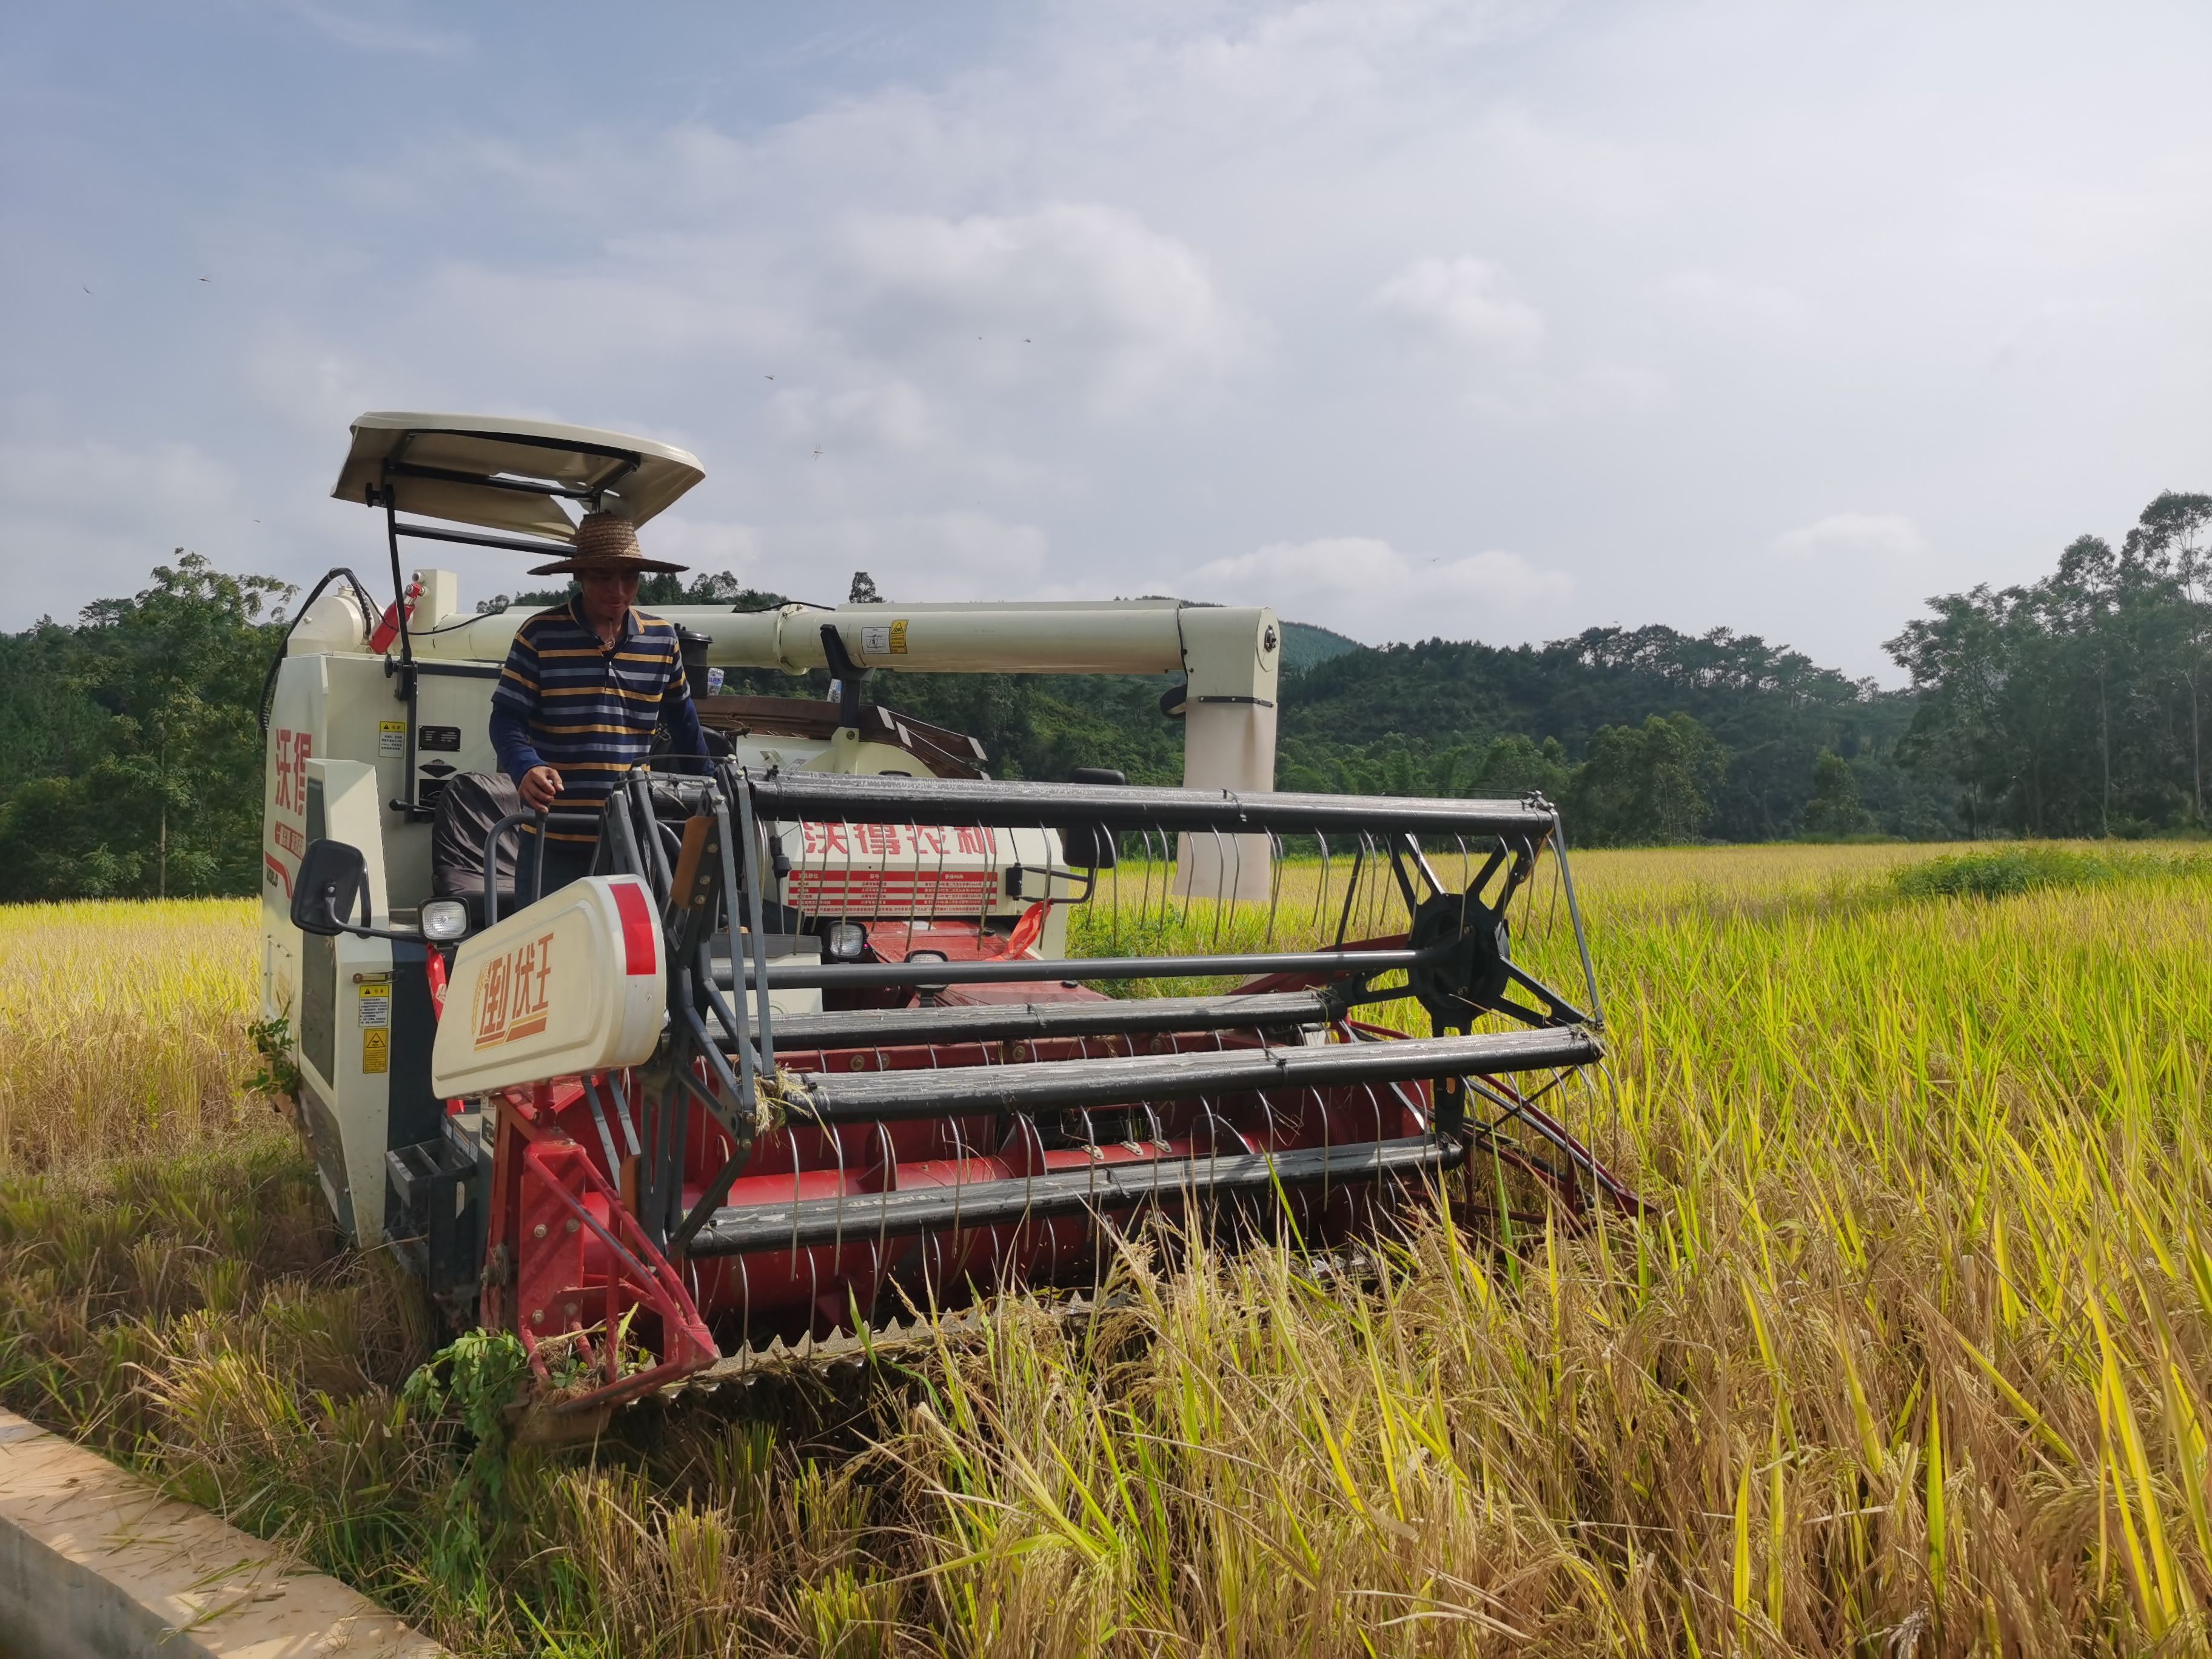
[(2076, 705), (131, 742)]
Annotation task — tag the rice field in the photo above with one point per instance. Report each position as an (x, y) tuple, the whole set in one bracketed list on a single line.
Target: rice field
[(1912, 1354), (124, 1027)]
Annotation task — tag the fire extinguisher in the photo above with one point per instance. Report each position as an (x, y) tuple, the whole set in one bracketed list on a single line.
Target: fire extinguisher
[(388, 629)]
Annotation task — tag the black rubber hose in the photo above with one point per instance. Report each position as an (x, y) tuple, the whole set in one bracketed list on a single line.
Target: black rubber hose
[(368, 609)]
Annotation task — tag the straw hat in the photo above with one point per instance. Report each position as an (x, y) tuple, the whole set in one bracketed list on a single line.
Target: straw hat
[(605, 541)]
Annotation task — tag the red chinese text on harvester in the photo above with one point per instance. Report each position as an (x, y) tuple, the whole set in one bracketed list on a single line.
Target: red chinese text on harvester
[(511, 999)]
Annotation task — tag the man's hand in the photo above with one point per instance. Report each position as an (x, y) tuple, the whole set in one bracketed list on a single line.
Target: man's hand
[(539, 787)]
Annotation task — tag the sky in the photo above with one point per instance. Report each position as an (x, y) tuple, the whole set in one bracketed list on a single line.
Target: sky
[(1411, 319)]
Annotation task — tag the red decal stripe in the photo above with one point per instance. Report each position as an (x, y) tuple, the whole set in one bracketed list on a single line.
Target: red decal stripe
[(869, 892), (639, 954)]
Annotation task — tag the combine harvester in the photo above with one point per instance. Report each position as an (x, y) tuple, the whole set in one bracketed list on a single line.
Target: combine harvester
[(807, 1051)]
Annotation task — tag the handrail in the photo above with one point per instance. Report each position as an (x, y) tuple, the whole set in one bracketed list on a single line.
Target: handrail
[(856, 799), (543, 821)]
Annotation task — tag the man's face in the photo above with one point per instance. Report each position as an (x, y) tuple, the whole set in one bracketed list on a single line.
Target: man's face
[(608, 593)]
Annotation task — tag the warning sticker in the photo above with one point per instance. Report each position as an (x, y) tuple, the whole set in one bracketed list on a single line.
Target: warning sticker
[(898, 637), (375, 1006), (875, 641), (392, 739), (375, 1052)]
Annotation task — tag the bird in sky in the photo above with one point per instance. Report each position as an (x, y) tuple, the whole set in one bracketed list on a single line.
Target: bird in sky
[(87, 290), (203, 279), (768, 377)]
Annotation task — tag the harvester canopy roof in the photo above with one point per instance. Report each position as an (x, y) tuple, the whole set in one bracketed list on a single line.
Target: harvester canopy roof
[(510, 475)]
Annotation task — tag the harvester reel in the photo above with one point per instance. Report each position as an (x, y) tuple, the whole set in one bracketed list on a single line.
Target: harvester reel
[(1472, 947)]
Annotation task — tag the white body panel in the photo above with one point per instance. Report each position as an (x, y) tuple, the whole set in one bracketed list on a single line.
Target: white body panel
[(576, 982), (338, 994)]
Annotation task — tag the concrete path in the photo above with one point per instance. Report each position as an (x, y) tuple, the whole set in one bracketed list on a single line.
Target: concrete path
[(95, 1564)]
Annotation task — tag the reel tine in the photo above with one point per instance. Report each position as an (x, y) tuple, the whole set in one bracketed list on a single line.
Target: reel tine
[(1379, 890), (1151, 859), (1372, 913), (1350, 892), (1182, 862), (1114, 881), (845, 888), (1320, 890), (936, 881), (1144, 887), (990, 838), (599, 1123), (1170, 851), (798, 889), (1220, 902), (1274, 887), (620, 1100)]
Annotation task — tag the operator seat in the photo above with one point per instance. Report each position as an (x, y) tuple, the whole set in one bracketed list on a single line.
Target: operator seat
[(468, 807)]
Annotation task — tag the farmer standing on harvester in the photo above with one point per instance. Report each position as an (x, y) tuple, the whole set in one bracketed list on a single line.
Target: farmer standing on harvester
[(584, 688)]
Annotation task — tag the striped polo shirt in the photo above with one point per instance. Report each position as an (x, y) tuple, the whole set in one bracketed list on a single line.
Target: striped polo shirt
[(589, 710)]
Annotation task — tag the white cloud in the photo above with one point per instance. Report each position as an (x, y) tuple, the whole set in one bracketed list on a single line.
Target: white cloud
[(1364, 586), (1596, 389), (316, 386), (1732, 306), (1494, 344), (1461, 302), (675, 297), (1072, 290), (704, 545), (1843, 536), (93, 518), (954, 555), (381, 34), (892, 414)]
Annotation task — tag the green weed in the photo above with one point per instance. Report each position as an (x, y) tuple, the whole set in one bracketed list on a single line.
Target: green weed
[(2003, 873)]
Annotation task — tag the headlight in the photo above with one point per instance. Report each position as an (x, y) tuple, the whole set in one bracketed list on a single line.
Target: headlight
[(444, 920), (844, 941)]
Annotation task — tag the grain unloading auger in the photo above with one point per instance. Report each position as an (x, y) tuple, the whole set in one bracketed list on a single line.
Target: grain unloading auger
[(650, 1147)]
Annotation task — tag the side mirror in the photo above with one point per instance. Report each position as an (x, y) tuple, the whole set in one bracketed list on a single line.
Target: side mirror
[(1090, 846), (330, 890)]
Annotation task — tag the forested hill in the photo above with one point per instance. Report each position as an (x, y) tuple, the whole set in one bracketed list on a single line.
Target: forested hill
[(130, 756), (1457, 717), (1305, 645)]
